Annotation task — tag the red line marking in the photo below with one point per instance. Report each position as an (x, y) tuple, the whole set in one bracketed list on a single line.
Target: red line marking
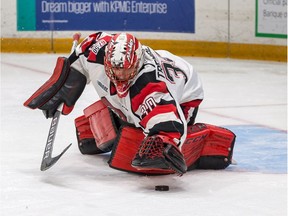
[(26, 68), (244, 106), (242, 120)]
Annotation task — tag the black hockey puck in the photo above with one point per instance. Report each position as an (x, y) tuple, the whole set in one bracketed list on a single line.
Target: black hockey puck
[(162, 188)]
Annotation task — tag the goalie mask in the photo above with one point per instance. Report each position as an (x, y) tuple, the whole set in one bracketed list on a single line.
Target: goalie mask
[(123, 59)]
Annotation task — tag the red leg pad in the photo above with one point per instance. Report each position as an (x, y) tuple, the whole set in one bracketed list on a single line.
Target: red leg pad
[(218, 149), (83, 128), (102, 125), (208, 147), (85, 138), (219, 142), (194, 143), (125, 149)]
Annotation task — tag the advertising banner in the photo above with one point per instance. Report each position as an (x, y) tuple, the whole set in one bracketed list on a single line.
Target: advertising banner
[(144, 15), (271, 18)]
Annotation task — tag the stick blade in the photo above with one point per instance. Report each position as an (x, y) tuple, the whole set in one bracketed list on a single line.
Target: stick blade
[(49, 162)]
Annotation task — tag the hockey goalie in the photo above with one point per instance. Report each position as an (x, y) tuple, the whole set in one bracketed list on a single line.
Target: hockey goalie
[(147, 108)]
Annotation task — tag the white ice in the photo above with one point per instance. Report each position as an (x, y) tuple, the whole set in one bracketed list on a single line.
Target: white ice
[(248, 97)]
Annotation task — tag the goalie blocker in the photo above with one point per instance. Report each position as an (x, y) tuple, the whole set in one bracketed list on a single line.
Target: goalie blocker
[(99, 131), (65, 86)]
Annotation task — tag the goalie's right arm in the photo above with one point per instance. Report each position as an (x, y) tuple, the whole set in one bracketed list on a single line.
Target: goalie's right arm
[(65, 86)]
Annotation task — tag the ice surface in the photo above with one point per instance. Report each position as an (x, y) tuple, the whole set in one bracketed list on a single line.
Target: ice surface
[(248, 97)]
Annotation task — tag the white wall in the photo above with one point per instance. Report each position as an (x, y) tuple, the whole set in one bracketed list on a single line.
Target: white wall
[(211, 24)]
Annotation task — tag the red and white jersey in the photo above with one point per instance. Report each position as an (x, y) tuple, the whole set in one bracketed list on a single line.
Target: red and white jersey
[(159, 96)]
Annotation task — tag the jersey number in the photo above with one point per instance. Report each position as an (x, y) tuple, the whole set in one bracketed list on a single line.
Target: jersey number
[(171, 72)]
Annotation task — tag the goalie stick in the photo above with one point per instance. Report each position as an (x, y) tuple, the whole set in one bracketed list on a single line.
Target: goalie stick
[(47, 160)]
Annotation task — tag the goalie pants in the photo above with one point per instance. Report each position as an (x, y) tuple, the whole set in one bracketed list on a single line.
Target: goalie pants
[(99, 131)]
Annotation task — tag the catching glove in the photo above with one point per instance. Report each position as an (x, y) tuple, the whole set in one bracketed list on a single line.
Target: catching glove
[(159, 153)]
